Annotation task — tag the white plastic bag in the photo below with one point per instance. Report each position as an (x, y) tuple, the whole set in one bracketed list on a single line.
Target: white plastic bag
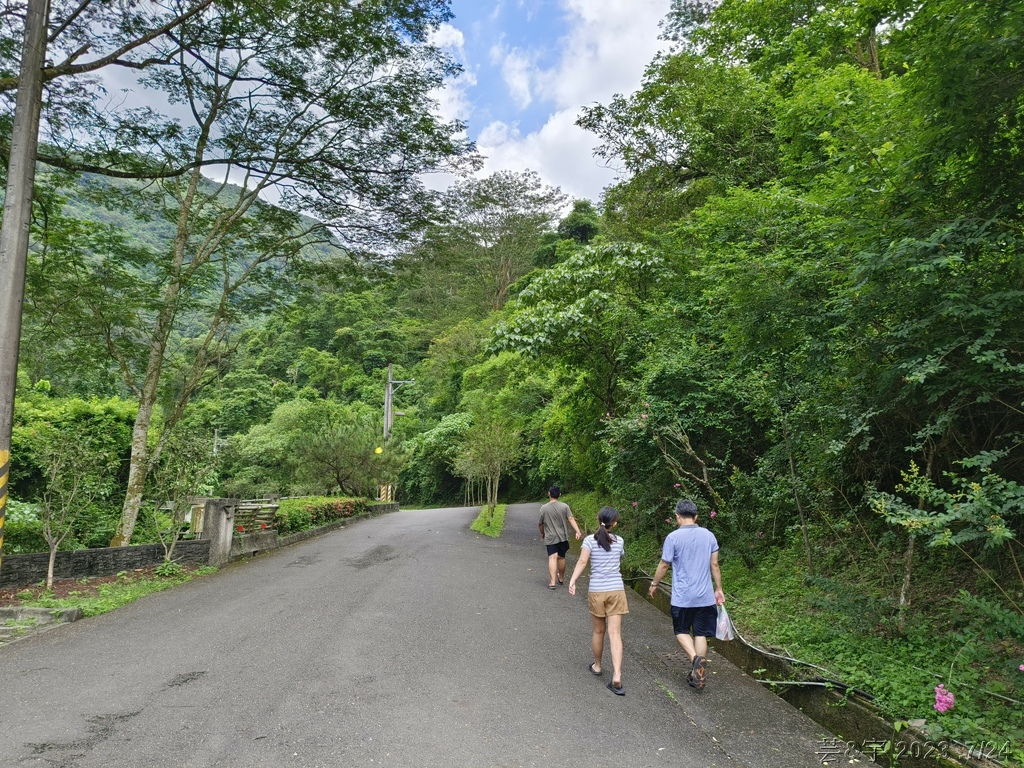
[(725, 629)]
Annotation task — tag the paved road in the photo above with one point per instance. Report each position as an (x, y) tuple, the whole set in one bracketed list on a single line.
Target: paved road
[(405, 640)]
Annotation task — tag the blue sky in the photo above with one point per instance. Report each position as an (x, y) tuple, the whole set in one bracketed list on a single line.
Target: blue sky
[(530, 67)]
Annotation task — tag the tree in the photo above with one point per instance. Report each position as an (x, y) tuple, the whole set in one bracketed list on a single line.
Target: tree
[(696, 127), (581, 225), (482, 242), (345, 452), (491, 446), (186, 468), (342, 128), (79, 470), (587, 314)]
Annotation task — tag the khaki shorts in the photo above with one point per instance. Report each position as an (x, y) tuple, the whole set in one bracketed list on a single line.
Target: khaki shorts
[(603, 604)]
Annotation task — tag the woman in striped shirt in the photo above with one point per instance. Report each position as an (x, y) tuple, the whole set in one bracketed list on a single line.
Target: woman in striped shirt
[(606, 597)]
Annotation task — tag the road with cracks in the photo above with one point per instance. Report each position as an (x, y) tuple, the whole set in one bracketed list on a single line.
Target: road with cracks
[(405, 640)]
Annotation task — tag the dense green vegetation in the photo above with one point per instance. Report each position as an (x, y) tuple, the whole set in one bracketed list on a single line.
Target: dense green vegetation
[(801, 306)]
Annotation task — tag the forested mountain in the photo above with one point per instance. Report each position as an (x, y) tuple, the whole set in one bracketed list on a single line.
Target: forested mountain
[(801, 306)]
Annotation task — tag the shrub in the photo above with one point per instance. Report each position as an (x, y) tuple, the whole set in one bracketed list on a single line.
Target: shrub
[(300, 514), (23, 530)]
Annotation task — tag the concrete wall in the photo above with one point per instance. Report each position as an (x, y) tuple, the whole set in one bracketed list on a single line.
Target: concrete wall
[(23, 570), (220, 544)]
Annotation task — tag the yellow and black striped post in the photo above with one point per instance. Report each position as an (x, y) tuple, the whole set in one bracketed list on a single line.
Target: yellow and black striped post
[(5, 472)]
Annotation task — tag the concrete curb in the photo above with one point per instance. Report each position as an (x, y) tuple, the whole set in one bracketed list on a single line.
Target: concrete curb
[(17, 623), (18, 614)]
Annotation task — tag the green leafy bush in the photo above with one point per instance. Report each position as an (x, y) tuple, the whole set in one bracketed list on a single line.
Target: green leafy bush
[(23, 530), (170, 569), (301, 514)]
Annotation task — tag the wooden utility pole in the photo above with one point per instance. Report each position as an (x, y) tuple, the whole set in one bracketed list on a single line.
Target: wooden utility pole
[(14, 237)]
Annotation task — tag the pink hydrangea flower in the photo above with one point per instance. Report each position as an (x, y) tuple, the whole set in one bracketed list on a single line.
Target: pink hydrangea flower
[(713, 514), (944, 700)]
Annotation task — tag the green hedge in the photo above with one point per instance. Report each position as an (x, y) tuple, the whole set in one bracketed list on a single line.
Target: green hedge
[(301, 514)]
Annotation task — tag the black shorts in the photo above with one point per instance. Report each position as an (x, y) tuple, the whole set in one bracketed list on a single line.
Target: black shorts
[(560, 549), (703, 621)]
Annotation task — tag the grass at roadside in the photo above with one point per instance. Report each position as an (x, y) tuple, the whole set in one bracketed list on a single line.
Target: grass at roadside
[(96, 596), (490, 523), (825, 623)]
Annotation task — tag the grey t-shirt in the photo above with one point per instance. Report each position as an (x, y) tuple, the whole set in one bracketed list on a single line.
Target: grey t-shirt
[(555, 515)]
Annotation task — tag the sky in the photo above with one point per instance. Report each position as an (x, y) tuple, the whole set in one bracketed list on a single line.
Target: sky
[(531, 65)]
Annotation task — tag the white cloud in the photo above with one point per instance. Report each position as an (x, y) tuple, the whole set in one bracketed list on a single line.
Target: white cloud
[(517, 70), (453, 100), (605, 52), (608, 46), (451, 37), (560, 152)]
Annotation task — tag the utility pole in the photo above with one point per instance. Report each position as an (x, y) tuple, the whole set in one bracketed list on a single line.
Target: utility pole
[(389, 398), (17, 219)]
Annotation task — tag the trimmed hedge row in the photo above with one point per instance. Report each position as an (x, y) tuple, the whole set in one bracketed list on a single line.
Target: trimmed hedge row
[(301, 514)]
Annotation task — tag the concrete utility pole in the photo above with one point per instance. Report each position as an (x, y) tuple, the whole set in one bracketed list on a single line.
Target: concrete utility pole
[(389, 400), (21, 175)]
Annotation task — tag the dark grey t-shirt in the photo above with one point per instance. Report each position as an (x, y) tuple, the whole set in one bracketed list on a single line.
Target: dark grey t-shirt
[(555, 516)]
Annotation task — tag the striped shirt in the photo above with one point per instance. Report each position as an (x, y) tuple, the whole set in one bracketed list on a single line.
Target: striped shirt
[(604, 566)]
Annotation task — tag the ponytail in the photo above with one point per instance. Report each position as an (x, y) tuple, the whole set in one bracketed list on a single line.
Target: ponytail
[(606, 518)]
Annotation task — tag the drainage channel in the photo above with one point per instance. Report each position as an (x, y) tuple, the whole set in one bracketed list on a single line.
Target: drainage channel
[(843, 710)]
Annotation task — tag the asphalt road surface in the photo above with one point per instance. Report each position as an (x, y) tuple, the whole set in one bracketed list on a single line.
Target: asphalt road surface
[(405, 640)]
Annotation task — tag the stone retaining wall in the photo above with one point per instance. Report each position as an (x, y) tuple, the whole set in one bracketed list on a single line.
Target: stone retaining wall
[(24, 570), (218, 546)]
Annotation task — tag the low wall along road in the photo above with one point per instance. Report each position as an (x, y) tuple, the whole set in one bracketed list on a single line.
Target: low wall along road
[(219, 542)]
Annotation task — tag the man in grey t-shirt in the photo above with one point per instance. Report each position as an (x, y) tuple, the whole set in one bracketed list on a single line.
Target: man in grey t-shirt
[(692, 554), (555, 520)]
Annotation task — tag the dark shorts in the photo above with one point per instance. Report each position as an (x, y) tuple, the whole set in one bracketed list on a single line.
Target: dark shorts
[(703, 621), (560, 549)]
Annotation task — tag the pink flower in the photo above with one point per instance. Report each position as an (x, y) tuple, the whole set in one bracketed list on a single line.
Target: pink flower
[(668, 520), (1021, 667), (713, 514), (634, 503), (643, 415), (677, 485), (944, 700)]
